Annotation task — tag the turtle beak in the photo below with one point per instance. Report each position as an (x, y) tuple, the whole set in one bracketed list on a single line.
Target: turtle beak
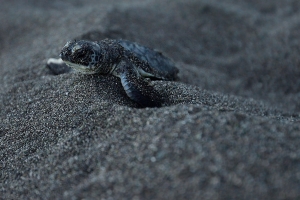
[(62, 56)]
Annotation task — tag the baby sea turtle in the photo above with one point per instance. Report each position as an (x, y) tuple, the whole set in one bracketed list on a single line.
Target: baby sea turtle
[(133, 63)]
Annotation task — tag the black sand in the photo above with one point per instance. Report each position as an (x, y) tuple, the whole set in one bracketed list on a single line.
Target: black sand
[(228, 130)]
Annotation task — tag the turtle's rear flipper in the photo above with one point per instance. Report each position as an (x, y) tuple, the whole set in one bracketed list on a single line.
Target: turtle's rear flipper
[(57, 66), (136, 87)]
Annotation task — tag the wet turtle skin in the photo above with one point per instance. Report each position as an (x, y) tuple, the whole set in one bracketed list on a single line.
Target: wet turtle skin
[(134, 64)]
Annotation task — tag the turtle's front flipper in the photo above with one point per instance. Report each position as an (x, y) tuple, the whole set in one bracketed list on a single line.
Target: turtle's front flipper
[(57, 66), (136, 87)]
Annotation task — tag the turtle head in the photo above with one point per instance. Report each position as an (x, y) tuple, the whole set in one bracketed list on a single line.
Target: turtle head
[(83, 56)]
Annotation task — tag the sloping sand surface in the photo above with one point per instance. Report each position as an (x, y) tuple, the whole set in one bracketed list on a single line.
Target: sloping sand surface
[(229, 129)]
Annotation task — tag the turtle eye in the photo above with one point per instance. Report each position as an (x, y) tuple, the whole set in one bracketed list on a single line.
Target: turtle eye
[(80, 54)]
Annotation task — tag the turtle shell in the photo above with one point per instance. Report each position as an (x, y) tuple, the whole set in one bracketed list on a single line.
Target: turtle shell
[(162, 66)]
